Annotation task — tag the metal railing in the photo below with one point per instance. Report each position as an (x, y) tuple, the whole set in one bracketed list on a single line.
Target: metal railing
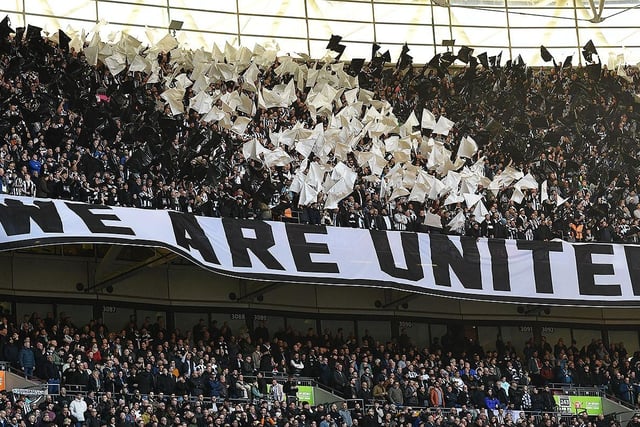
[(6, 366), (591, 391), (302, 381), (576, 390)]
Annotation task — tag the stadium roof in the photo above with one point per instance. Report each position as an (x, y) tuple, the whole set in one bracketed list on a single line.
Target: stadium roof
[(515, 27)]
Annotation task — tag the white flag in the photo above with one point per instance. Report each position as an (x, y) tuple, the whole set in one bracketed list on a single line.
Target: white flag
[(544, 193), (517, 196), (443, 126), (480, 211), (468, 148), (471, 199), (457, 222), (428, 119), (433, 220)]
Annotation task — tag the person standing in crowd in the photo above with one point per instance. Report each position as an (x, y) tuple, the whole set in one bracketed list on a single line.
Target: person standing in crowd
[(400, 220), (27, 358), (290, 389), (77, 408), (277, 391)]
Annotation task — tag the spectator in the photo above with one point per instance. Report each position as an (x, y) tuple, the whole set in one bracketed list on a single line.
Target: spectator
[(77, 409), (400, 220), (27, 359), (338, 379), (277, 391), (491, 401), (345, 414), (290, 389), (365, 393), (395, 394), (296, 365)]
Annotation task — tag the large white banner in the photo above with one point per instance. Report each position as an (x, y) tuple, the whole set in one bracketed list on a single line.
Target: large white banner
[(483, 269)]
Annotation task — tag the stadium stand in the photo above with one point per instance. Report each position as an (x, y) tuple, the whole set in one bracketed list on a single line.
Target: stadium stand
[(207, 375), (562, 166), (248, 145)]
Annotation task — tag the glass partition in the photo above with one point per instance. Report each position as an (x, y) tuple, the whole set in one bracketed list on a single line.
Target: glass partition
[(517, 336), (488, 336), (418, 333), (584, 337), (379, 331), (151, 317), (302, 326), (627, 340), (437, 332), (80, 315), (332, 326), (186, 321), (118, 318), (25, 311), (273, 324)]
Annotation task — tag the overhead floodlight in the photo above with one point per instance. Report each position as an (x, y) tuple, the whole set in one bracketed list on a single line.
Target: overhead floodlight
[(175, 25), (449, 44)]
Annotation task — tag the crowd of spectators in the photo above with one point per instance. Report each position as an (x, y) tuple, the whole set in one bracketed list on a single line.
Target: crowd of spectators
[(74, 131), (209, 375), (77, 132)]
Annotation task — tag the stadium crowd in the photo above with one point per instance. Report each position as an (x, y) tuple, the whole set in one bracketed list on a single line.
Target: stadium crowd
[(147, 375), (75, 131)]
